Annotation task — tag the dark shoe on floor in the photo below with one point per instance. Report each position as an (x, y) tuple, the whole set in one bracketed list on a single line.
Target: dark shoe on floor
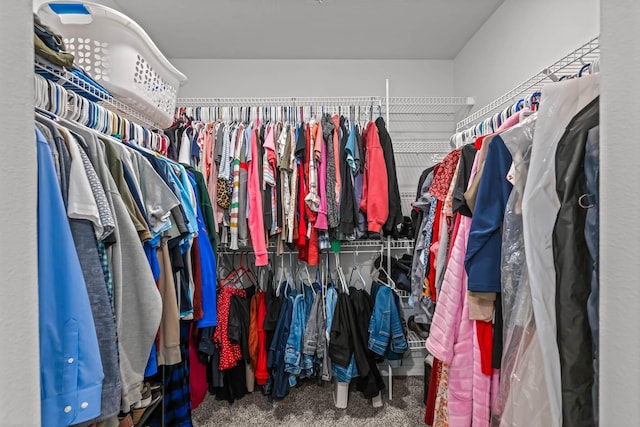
[(418, 328)]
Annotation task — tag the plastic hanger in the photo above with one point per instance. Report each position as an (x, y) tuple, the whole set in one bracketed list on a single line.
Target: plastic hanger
[(389, 281), (280, 276), (584, 68)]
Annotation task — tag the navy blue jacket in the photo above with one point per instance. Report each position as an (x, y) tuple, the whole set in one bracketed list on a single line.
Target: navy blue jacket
[(484, 248)]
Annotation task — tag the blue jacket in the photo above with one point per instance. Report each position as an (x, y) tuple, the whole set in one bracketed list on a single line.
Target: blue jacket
[(293, 349), (70, 367), (484, 249), (386, 335), (207, 269)]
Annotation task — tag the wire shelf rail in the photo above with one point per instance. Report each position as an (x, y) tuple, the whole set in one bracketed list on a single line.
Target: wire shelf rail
[(571, 64)]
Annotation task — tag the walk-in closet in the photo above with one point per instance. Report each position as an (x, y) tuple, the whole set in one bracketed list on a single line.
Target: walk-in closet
[(319, 212)]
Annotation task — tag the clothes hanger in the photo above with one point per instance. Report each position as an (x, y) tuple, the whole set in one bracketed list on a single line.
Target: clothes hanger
[(584, 68), (341, 277), (247, 269), (280, 276), (356, 269), (389, 282)]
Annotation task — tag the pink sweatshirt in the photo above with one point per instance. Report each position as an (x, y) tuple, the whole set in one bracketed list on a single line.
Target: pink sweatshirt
[(256, 220), (322, 223)]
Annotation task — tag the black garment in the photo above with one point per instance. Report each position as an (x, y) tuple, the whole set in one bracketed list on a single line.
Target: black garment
[(395, 204), (360, 149), (301, 142), (266, 193), (344, 339), (573, 272), (467, 158), (234, 383), (272, 304), (400, 272), (496, 352), (371, 384), (279, 187), (172, 135), (417, 215), (238, 324), (348, 210)]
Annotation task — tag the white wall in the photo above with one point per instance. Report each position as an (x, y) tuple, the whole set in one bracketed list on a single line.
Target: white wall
[(520, 39), (258, 78), (619, 225), (19, 354)]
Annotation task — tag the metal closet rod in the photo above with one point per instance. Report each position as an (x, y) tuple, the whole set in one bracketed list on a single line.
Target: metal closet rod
[(280, 101)]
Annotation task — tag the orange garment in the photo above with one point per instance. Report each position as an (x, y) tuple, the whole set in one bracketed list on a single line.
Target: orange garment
[(253, 330)]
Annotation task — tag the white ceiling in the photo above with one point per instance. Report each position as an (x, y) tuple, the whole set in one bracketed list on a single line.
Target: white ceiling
[(309, 29)]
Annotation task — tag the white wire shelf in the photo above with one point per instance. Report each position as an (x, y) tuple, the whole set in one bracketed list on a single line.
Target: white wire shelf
[(280, 101), (569, 65), (419, 147), (76, 84), (348, 245), (433, 106), (415, 342)]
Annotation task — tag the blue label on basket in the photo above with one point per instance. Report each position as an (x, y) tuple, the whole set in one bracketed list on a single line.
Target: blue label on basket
[(69, 8)]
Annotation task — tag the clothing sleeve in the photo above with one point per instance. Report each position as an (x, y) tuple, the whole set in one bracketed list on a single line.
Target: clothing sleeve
[(459, 203), (483, 258), (157, 196)]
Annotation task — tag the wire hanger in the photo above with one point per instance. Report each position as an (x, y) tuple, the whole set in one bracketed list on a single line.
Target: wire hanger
[(356, 269), (341, 277)]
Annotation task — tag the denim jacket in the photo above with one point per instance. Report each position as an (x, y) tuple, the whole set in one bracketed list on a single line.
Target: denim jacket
[(293, 350), (385, 327)]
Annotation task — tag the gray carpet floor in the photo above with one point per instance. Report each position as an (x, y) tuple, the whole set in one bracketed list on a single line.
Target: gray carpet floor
[(312, 405)]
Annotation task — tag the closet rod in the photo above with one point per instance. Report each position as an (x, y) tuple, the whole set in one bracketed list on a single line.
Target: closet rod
[(364, 101), (147, 140)]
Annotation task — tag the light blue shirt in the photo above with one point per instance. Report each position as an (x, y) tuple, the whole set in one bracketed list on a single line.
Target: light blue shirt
[(70, 367), (183, 185), (351, 147), (330, 306)]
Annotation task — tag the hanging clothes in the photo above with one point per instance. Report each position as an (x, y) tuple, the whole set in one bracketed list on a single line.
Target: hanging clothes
[(539, 209)]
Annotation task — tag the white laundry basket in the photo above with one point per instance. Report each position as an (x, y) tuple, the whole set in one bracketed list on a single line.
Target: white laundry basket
[(117, 53)]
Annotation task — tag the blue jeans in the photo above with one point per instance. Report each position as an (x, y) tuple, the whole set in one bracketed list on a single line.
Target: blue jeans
[(293, 351), (385, 327), (345, 375), (591, 234)]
